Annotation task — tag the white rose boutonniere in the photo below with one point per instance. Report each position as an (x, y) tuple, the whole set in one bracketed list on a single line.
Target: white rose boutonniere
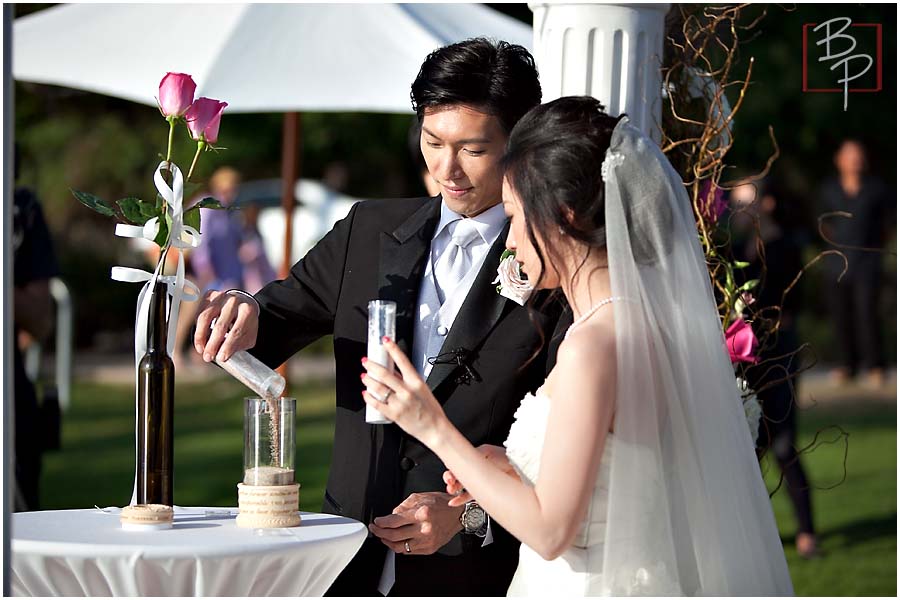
[(512, 284)]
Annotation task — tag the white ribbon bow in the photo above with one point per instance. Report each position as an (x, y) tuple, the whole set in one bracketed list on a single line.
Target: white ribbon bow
[(181, 236)]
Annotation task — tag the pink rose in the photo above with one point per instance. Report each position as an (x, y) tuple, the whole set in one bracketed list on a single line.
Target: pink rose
[(741, 342), (203, 119), (176, 93)]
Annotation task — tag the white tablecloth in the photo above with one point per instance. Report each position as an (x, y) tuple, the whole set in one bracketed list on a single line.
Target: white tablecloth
[(86, 553)]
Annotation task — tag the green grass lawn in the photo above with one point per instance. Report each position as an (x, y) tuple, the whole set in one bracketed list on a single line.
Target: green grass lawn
[(856, 519), (854, 508), (96, 463)]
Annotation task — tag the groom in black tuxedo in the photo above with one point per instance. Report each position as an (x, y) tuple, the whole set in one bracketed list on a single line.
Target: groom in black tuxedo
[(436, 258)]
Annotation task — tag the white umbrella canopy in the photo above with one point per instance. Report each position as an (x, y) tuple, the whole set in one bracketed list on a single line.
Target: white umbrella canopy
[(256, 57)]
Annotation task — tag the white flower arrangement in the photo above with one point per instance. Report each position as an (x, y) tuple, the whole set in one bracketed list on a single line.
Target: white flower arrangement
[(752, 407), (512, 284)]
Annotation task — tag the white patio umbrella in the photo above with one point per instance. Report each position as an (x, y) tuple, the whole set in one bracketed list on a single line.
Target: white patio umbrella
[(257, 57)]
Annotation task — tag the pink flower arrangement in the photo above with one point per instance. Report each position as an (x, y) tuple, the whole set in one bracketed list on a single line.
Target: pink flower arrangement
[(202, 116), (176, 103), (742, 343)]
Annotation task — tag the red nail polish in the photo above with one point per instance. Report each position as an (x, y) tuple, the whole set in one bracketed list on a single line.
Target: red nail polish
[(364, 360), (362, 375), (364, 394), (385, 339)]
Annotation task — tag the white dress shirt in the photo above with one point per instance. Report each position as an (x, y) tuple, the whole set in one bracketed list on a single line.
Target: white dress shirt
[(433, 318)]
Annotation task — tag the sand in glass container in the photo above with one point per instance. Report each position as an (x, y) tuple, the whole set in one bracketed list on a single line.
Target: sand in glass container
[(250, 371), (268, 495)]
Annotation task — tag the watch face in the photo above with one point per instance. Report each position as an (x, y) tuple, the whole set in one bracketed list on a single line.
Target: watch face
[(474, 518)]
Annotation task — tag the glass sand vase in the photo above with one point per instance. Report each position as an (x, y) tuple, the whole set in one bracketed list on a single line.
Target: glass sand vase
[(268, 496)]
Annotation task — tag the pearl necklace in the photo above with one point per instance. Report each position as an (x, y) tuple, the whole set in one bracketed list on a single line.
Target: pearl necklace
[(590, 312)]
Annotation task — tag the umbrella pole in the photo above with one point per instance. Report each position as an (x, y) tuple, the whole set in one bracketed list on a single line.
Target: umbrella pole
[(290, 169)]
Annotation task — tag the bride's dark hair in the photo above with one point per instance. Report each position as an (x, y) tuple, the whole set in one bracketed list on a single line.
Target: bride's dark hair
[(553, 159)]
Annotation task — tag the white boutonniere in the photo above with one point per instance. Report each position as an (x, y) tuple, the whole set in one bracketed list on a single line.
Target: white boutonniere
[(512, 284)]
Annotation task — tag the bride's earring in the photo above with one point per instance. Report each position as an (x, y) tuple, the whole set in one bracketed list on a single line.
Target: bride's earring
[(561, 232)]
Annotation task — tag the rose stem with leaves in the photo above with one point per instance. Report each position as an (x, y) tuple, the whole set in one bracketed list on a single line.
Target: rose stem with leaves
[(171, 121)]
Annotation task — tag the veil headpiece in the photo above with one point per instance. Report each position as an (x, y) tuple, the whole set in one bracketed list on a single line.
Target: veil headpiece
[(688, 511)]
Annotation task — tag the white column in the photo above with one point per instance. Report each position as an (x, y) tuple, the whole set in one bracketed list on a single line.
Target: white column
[(610, 51)]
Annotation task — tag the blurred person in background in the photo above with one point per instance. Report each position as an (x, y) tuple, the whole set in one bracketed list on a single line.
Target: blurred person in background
[(217, 261), (34, 264), (783, 261), (258, 270), (853, 300)]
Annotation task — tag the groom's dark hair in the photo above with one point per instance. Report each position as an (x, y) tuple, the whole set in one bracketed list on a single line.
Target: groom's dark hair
[(498, 77)]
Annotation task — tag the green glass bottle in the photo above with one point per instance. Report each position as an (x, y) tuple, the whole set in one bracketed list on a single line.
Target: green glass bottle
[(156, 403)]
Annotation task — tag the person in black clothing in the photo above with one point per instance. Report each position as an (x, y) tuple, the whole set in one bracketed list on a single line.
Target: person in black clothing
[(853, 301), (33, 265), (783, 261)]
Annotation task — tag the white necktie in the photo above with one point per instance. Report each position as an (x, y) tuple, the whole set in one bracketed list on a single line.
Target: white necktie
[(455, 262)]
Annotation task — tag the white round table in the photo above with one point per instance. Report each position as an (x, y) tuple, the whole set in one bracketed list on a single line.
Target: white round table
[(86, 553)]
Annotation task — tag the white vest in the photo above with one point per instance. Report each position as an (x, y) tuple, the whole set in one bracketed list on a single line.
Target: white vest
[(434, 320)]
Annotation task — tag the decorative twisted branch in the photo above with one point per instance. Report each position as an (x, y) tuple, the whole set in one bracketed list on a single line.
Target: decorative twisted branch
[(700, 57)]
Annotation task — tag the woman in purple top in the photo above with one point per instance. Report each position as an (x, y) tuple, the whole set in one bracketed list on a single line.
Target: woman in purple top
[(217, 261)]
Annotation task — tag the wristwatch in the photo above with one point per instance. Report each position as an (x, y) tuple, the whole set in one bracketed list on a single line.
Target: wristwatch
[(474, 520)]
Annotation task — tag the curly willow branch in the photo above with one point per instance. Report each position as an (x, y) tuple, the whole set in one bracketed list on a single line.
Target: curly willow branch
[(701, 57), (846, 215)]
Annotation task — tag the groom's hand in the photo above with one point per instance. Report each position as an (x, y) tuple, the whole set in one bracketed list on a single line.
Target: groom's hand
[(235, 315), (424, 521)]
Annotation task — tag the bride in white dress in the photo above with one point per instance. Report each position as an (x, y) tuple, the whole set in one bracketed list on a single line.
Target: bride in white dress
[(631, 471)]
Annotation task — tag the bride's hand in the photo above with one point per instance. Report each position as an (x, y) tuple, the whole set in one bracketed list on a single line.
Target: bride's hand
[(405, 399), (456, 489), (493, 454)]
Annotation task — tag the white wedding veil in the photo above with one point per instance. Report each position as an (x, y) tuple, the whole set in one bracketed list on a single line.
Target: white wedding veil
[(688, 511)]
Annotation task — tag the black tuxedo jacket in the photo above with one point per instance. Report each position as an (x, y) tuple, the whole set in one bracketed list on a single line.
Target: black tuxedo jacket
[(379, 251)]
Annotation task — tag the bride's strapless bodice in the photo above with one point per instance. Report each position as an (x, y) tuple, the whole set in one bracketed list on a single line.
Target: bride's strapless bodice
[(523, 449)]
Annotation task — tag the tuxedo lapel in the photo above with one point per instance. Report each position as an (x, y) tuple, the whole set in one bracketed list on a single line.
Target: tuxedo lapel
[(404, 252), (480, 311)]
